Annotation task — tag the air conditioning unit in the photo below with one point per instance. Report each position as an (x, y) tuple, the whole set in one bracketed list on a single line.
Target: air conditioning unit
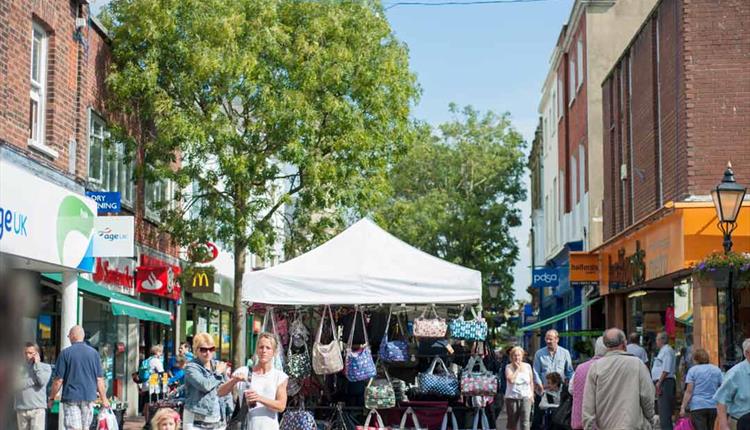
[(80, 23)]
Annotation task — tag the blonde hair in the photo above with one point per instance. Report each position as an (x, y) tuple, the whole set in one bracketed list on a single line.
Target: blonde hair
[(270, 337), (202, 339), (516, 348), (157, 349), (165, 414)]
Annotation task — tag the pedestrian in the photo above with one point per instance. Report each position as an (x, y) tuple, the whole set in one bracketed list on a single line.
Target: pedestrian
[(182, 351), (635, 348), (519, 392), (733, 397), (553, 358), (702, 380), (663, 375), (578, 384), (178, 371), (30, 400), (205, 383), (155, 363), (618, 393), (265, 394), (78, 371), (550, 398), (165, 419)]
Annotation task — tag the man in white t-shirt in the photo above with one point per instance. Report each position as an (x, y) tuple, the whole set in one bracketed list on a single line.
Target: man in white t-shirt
[(635, 348)]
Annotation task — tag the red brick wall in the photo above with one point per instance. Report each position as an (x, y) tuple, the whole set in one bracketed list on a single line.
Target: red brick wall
[(578, 110)]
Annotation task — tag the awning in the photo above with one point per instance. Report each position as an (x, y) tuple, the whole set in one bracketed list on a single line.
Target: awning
[(686, 318), (121, 304), (560, 316)]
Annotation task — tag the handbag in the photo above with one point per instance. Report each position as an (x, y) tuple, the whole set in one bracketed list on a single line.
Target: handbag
[(359, 364), (393, 351), (444, 384), (326, 359), (429, 327), (379, 393), (278, 359), (298, 419), (479, 412), (409, 411), (293, 387), (454, 421), (298, 365), (366, 426), (481, 383), (340, 420), (475, 329)]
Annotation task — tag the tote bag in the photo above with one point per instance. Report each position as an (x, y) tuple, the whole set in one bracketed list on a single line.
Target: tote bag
[(481, 383), (444, 384), (379, 423), (426, 327), (326, 358), (475, 329), (454, 421), (359, 364), (410, 412), (393, 351)]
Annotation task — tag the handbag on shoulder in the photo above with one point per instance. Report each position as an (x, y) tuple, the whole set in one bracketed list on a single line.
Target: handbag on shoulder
[(326, 358)]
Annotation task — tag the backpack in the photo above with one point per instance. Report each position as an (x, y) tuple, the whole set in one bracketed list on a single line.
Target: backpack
[(144, 371)]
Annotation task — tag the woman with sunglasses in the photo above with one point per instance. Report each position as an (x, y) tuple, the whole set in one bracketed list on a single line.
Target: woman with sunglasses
[(265, 394), (205, 383)]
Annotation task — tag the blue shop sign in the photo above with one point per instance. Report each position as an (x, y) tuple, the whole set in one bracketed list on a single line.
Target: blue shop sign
[(545, 278), (107, 202)]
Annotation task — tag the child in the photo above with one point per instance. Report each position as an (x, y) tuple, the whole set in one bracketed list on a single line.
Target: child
[(165, 419), (551, 398)]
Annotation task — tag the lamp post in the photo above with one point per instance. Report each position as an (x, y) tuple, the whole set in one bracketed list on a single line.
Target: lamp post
[(493, 287), (728, 197)]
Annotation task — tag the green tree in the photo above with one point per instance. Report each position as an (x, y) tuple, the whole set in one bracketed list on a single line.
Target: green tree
[(455, 194), (260, 105)]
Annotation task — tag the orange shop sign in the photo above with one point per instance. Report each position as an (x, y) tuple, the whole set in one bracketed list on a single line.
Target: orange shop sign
[(584, 268)]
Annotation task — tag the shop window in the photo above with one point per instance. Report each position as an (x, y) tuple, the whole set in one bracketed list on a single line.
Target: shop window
[(214, 328), (109, 168), (226, 335)]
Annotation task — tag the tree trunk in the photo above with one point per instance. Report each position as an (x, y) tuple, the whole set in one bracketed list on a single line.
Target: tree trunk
[(238, 317)]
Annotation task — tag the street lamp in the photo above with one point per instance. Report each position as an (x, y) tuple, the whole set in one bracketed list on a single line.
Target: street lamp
[(493, 286), (728, 197)]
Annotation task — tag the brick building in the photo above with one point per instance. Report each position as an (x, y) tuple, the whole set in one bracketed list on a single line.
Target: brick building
[(676, 108)]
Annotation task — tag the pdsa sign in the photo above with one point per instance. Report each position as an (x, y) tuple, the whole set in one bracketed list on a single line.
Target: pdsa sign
[(545, 278)]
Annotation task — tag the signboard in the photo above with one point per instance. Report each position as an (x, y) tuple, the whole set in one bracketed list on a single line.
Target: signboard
[(200, 280), (107, 202), (584, 269), (116, 272), (44, 222), (545, 278), (157, 277), (114, 236)]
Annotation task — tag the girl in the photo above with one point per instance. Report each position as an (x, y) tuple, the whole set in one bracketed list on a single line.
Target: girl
[(265, 394), (165, 419)]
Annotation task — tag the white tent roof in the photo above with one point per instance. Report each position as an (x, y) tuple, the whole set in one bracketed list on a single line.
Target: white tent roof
[(363, 264)]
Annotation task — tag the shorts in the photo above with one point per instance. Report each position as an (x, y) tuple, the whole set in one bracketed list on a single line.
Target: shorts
[(77, 415)]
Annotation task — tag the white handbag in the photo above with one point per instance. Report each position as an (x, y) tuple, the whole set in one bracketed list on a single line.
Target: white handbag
[(326, 359)]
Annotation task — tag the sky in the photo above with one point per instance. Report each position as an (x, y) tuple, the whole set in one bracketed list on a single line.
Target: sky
[(491, 56)]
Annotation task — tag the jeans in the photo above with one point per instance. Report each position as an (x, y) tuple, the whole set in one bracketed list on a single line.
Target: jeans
[(31, 419), (665, 404), (703, 419), (519, 412)]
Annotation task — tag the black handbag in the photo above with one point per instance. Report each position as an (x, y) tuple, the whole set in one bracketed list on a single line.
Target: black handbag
[(561, 416)]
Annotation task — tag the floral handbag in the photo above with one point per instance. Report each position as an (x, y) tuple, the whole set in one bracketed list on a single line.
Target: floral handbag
[(393, 351), (326, 359), (425, 327), (379, 393), (298, 365), (298, 419), (445, 384), (359, 364), (481, 383), (475, 329)]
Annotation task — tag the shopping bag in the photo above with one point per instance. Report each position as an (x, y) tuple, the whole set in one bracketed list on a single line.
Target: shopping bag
[(683, 423), (475, 329), (326, 359), (359, 364), (366, 426), (106, 420), (426, 327)]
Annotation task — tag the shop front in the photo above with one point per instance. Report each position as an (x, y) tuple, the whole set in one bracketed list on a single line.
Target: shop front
[(157, 282), (208, 309), (648, 283)]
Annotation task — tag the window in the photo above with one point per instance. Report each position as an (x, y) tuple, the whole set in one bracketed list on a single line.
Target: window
[(560, 98), (108, 168), (571, 79), (157, 192), (579, 59), (581, 171), (573, 181), (38, 92)]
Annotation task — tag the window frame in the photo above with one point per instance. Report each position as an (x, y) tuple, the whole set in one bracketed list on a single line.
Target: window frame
[(165, 188), (108, 165), (579, 64), (38, 88), (571, 79)]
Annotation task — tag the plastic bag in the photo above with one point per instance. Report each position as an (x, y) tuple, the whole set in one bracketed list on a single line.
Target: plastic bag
[(683, 424), (106, 420)]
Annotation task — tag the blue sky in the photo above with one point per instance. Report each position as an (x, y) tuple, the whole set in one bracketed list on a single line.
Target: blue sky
[(494, 57)]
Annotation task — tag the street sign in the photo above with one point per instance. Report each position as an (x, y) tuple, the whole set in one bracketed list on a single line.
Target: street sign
[(545, 278), (107, 202)]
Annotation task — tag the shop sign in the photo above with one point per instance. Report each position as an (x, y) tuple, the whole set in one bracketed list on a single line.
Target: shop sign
[(201, 280), (114, 236), (107, 202), (116, 272), (156, 277), (584, 269), (629, 270), (44, 222), (545, 278)]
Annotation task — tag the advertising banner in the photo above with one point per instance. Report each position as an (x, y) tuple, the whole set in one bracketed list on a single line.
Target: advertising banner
[(114, 236), (157, 277), (107, 202), (200, 280), (584, 269)]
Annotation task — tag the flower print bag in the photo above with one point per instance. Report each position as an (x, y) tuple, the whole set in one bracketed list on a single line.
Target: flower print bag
[(475, 329), (379, 393), (298, 364), (326, 359), (426, 327), (298, 419), (444, 384), (481, 383), (397, 350), (359, 365)]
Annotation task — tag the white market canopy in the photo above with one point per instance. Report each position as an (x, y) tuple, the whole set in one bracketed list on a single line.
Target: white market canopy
[(364, 264)]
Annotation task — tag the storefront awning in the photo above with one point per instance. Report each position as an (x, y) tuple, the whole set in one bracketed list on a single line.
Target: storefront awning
[(560, 316), (120, 303)]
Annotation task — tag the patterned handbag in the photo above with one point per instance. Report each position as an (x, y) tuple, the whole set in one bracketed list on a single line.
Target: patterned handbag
[(326, 359), (366, 426), (445, 384), (425, 327), (379, 393), (359, 364), (475, 329), (298, 419), (481, 383), (393, 351), (298, 365)]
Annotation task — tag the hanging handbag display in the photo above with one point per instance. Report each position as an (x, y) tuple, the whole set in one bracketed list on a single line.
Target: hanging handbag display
[(379, 424), (426, 327), (379, 393), (410, 412), (298, 364), (298, 419), (269, 319), (340, 420), (445, 384), (359, 365), (481, 383), (475, 329), (480, 413), (454, 421), (326, 359), (397, 350)]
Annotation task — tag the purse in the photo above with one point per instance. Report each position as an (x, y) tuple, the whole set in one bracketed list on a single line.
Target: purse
[(379, 393), (481, 383), (475, 329), (326, 359), (409, 411), (366, 426), (393, 351), (293, 387), (445, 384), (278, 359), (340, 420), (425, 327), (298, 419), (454, 421), (359, 365), (298, 365)]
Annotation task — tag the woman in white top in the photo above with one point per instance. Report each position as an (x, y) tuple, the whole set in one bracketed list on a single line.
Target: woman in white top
[(519, 396), (266, 396)]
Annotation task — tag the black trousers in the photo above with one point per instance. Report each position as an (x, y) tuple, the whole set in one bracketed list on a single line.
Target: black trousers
[(703, 419), (537, 419)]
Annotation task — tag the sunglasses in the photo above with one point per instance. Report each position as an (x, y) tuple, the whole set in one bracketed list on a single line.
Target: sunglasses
[(208, 349)]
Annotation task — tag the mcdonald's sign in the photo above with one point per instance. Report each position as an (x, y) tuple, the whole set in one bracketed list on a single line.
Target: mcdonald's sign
[(201, 280)]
